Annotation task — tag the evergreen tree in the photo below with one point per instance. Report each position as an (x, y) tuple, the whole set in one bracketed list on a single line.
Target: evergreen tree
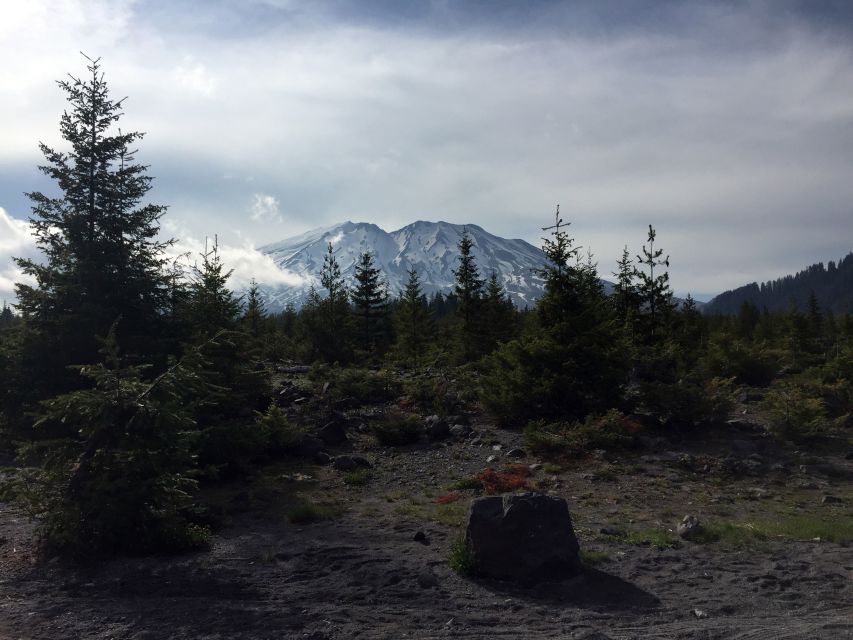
[(654, 290), (213, 306), (370, 301), (254, 318), (102, 258), (331, 329), (121, 474), (233, 388), (469, 293), (498, 314), (572, 362), (626, 298), (7, 319), (255, 312), (414, 320)]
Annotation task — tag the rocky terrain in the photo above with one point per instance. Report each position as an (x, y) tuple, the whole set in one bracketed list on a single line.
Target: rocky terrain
[(308, 549)]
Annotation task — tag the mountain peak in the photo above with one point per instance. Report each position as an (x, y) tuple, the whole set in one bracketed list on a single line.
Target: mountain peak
[(431, 248)]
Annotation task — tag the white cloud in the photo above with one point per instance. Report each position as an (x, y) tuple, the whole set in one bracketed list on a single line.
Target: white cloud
[(244, 261), (195, 77), (15, 241), (264, 207)]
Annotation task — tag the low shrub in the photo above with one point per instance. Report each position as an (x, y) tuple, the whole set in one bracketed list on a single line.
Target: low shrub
[(574, 439), (358, 478), (396, 429), (275, 432), (307, 512), (461, 559), (512, 478), (793, 414), (365, 385)]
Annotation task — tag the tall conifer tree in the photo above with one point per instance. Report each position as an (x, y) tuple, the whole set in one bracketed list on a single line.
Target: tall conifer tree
[(102, 258), (369, 300), (469, 292)]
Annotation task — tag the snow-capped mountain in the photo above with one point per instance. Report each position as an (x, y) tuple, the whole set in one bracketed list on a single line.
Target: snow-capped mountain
[(429, 247)]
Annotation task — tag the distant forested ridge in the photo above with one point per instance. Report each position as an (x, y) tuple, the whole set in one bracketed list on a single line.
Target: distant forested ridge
[(832, 285)]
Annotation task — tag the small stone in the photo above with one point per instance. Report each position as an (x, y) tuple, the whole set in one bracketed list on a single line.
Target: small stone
[(497, 447), (459, 430), (322, 458), (421, 537), (535, 467), (611, 531), (699, 614), (688, 527), (515, 453), (828, 499), (436, 427), (491, 458)]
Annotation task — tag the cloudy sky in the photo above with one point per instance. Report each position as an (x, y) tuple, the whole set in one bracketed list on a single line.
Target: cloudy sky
[(726, 125)]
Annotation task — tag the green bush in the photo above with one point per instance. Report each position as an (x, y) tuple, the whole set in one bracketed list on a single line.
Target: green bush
[(539, 377), (746, 362), (118, 475), (276, 434), (689, 401), (395, 429), (461, 559), (365, 385), (794, 415), (574, 439)]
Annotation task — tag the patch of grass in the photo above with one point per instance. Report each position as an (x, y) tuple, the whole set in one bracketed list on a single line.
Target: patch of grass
[(358, 478), (750, 534), (605, 474), (645, 538), (411, 510), (451, 514), (307, 512), (729, 534), (467, 484), (838, 529), (593, 558), (461, 560), (552, 468)]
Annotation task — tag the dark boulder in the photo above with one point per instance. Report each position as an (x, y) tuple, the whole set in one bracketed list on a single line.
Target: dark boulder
[(436, 428), (525, 538)]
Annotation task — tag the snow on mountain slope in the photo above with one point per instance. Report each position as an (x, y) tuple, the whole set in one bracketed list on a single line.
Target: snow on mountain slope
[(430, 247)]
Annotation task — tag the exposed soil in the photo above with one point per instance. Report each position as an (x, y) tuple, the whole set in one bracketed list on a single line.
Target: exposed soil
[(361, 574)]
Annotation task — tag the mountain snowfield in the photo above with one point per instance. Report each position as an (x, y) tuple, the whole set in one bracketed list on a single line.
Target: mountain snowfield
[(429, 247)]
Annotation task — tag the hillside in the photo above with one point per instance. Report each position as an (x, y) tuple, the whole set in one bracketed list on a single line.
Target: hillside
[(428, 247), (832, 285)]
